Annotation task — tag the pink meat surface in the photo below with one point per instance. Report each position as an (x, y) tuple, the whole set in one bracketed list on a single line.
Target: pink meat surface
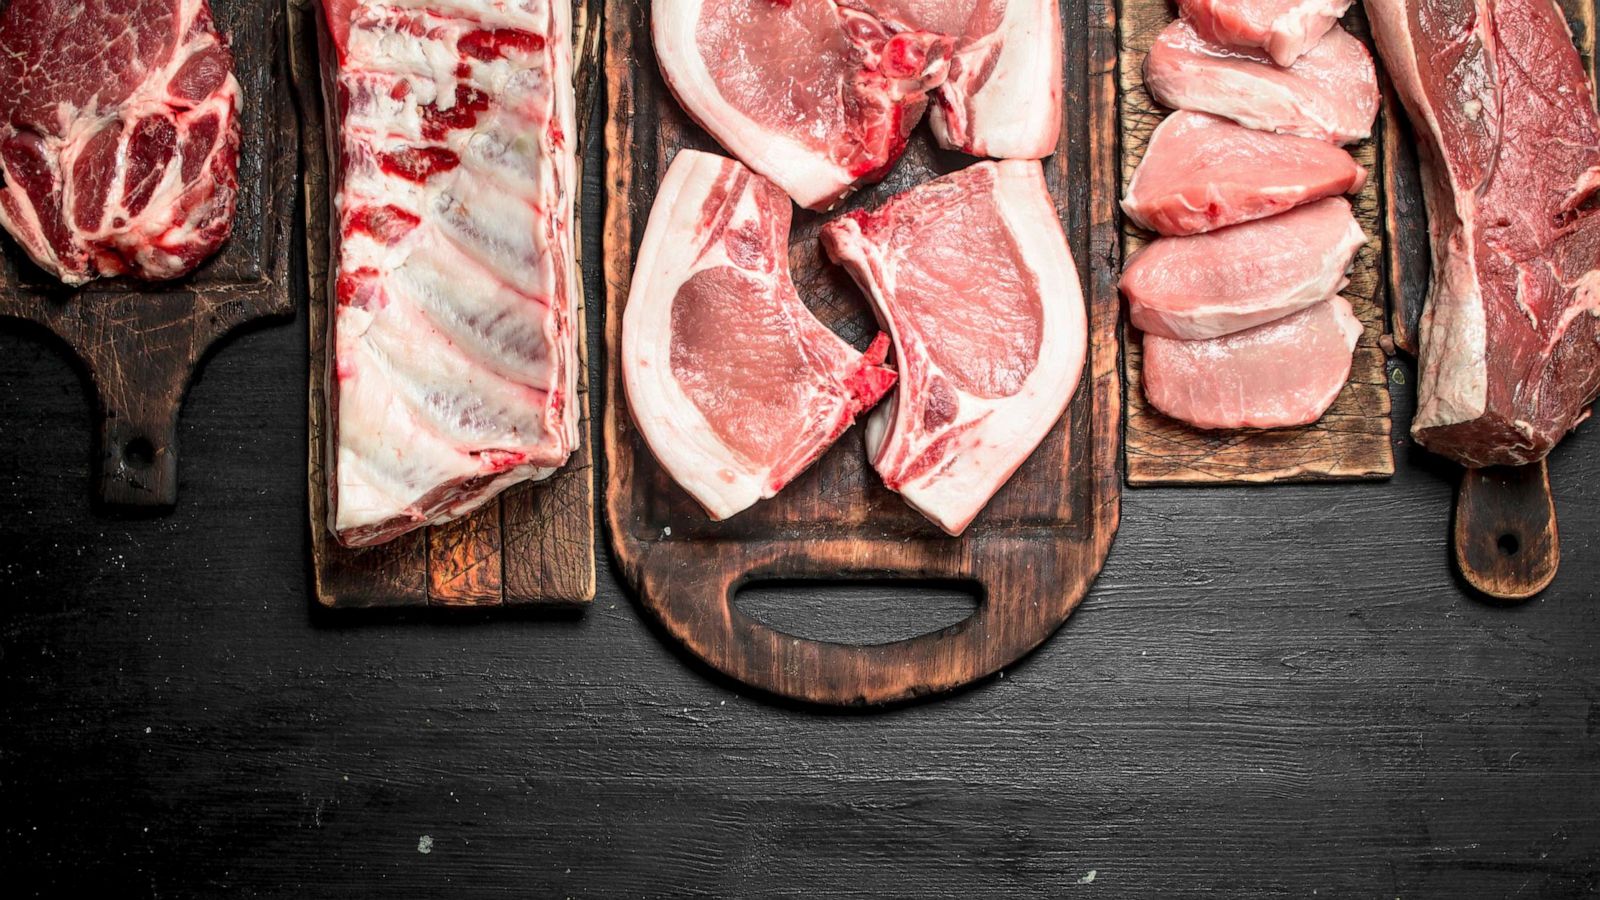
[(1279, 375), (1330, 93), (1202, 172), (1210, 285), (119, 135), (1284, 29)]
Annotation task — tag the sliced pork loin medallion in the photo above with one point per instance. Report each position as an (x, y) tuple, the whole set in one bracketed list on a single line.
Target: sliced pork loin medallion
[(1505, 117), (819, 96), (734, 385), (1202, 172), (1209, 285), (1284, 29), (1330, 93), (454, 363), (972, 276), (119, 135), (1279, 375)]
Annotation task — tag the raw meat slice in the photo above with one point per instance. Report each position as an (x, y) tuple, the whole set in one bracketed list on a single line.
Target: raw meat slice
[(1285, 29), (452, 344), (119, 135), (1510, 146), (734, 385), (1209, 285), (1278, 375), (1201, 172), (819, 96), (972, 276), (1330, 94)]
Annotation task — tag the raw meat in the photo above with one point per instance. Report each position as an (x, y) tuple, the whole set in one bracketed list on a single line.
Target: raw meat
[(119, 135), (1201, 172), (972, 276), (1278, 375), (1330, 94), (735, 386), (454, 372), (1510, 145), (1209, 285), (819, 95), (1285, 29)]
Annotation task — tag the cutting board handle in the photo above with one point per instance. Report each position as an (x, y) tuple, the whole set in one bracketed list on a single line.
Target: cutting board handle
[(1506, 542), (138, 432)]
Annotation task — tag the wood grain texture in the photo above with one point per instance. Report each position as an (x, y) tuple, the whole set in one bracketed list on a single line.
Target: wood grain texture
[(1505, 538), (534, 544), (1033, 551), (142, 342), (1352, 440)]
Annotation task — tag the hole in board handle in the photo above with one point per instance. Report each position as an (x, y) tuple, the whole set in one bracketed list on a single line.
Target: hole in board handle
[(139, 453), (858, 612), (1508, 544)]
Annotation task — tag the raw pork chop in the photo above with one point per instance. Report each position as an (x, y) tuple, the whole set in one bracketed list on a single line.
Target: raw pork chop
[(1209, 285), (1201, 172), (972, 275), (454, 372), (1285, 29), (1330, 94), (732, 382), (1278, 375), (119, 135), (819, 95), (1510, 145)]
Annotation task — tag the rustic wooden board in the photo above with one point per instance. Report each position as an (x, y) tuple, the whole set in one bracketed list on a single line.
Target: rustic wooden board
[(531, 546), (1032, 553), (1505, 537), (1350, 442), (141, 342)]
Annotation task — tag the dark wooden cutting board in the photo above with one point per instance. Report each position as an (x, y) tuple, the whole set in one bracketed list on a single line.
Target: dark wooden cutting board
[(1352, 441), (143, 342), (533, 546), (1032, 553)]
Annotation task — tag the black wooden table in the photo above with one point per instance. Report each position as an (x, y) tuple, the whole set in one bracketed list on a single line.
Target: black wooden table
[(1270, 692)]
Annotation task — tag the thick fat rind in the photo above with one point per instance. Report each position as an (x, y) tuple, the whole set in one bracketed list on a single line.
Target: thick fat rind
[(453, 370), (945, 450), (716, 223), (119, 136), (1002, 97), (1510, 146), (1284, 29)]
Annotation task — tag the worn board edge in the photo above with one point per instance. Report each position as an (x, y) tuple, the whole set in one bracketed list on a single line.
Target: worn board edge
[(819, 672), (468, 556), (1352, 442)]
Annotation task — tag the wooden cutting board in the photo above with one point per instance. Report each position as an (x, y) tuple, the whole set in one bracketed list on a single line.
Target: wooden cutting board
[(141, 342), (1350, 442), (1032, 553), (1505, 538), (533, 546)]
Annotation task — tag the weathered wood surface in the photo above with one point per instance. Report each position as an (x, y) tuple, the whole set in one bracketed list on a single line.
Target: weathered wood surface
[(1033, 552), (1505, 537), (1352, 441), (141, 343), (534, 545)]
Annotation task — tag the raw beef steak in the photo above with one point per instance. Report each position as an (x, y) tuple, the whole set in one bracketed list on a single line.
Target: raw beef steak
[(1278, 375), (734, 385), (454, 364), (1209, 285), (1510, 146), (819, 95), (1284, 29), (1330, 93), (1201, 172), (119, 135), (972, 276)]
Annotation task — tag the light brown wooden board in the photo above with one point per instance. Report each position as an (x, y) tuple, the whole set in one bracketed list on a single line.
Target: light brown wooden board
[(1350, 442), (1033, 552), (531, 546), (141, 342)]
